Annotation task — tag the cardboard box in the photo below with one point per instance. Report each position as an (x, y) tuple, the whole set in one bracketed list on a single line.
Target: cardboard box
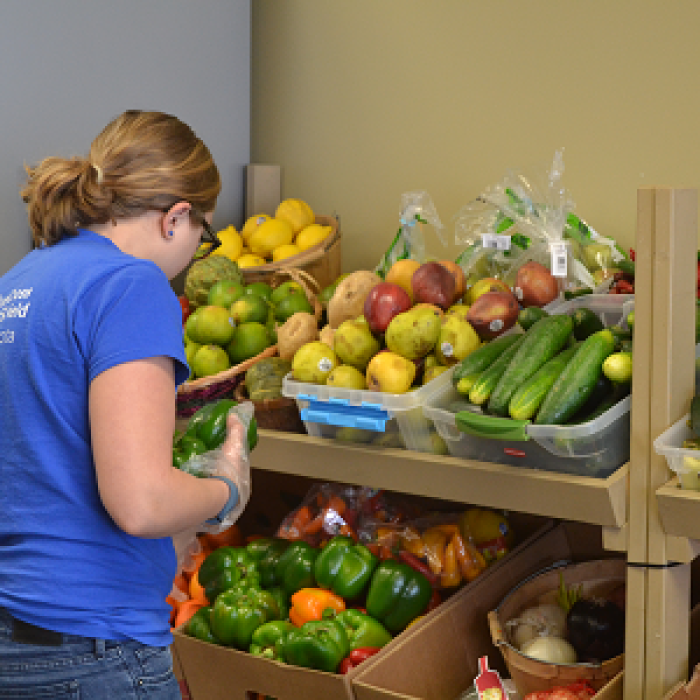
[(439, 660), (219, 673)]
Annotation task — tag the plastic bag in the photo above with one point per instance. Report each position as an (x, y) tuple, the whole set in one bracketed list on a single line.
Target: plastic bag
[(435, 545), (417, 210), (327, 510), (231, 460)]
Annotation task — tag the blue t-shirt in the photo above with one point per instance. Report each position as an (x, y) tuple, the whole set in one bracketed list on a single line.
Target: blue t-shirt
[(67, 313)]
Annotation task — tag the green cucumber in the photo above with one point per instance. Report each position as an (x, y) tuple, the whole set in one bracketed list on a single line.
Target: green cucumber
[(487, 380), (542, 342), (586, 322), (465, 384), (529, 316), (695, 416), (530, 394), (576, 383), (621, 334), (618, 367), (575, 293), (477, 361), (590, 411)]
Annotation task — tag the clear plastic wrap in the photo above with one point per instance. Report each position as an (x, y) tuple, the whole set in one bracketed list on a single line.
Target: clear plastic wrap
[(417, 210)]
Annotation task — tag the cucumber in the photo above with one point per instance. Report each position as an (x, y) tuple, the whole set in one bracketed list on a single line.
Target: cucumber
[(695, 416), (530, 394), (465, 384), (578, 292), (621, 334), (576, 383), (478, 360), (542, 342), (590, 411), (618, 367), (586, 322), (529, 316), (487, 380), (625, 346)]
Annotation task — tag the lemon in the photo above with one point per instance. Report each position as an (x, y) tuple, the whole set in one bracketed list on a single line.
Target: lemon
[(297, 213), (269, 235), (252, 224), (285, 251), (250, 260), (312, 235), (231, 243)]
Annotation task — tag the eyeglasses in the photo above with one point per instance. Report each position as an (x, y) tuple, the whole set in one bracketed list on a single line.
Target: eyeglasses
[(208, 234)]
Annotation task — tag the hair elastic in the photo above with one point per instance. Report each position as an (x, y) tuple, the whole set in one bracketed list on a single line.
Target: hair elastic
[(171, 234), (100, 174)]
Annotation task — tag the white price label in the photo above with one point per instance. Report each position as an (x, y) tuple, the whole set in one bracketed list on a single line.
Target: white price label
[(495, 241), (559, 257), (447, 349), (325, 364)]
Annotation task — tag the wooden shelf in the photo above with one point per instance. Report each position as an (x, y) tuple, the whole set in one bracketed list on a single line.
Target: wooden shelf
[(679, 510), (582, 499)]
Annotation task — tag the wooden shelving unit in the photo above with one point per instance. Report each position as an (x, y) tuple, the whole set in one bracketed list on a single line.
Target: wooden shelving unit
[(641, 511)]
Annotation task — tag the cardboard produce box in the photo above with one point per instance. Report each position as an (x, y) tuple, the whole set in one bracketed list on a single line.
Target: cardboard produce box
[(220, 673), (439, 661)]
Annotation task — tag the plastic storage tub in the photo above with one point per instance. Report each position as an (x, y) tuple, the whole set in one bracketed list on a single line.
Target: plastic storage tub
[(609, 307), (596, 448), (683, 461), (369, 417)]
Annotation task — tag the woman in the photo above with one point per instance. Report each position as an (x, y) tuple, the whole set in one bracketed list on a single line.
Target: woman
[(91, 353)]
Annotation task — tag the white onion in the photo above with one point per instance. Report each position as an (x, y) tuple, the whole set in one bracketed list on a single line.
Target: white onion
[(546, 620), (551, 649)]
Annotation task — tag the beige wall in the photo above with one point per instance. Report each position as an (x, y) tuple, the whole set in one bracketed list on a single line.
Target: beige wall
[(360, 101)]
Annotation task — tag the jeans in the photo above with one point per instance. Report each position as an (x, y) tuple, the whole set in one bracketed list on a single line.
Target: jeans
[(83, 668)]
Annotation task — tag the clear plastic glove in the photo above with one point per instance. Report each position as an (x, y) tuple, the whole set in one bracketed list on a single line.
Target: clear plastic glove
[(231, 460)]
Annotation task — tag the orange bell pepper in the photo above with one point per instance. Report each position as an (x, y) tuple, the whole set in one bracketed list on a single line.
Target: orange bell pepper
[(309, 604), (471, 561), (450, 575), (412, 541), (435, 541)]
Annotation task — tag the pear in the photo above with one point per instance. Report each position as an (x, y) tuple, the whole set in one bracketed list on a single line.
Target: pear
[(346, 377), (432, 372), (413, 334), (350, 434), (354, 343), (313, 362), (390, 373), (391, 438), (457, 339)]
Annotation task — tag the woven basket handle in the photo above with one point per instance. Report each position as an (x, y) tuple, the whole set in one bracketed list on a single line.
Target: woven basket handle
[(307, 282), (497, 636)]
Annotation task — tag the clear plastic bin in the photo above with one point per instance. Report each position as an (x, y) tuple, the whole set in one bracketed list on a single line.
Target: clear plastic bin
[(684, 462), (609, 307), (369, 417), (596, 448)]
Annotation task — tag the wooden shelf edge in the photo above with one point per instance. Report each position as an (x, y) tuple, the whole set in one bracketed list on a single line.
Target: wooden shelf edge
[(679, 510), (583, 499)]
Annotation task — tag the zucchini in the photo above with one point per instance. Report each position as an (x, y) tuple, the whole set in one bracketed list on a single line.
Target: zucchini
[(586, 322), (478, 360), (618, 367), (575, 384), (529, 316), (487, 380), (542, 342), (530, 394)]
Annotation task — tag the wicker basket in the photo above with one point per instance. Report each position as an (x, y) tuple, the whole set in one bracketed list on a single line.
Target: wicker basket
[(194, 394), (274, 414), (596, 578), (322, 261)]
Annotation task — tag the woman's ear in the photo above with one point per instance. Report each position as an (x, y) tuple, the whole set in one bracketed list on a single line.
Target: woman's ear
[(173, 217)]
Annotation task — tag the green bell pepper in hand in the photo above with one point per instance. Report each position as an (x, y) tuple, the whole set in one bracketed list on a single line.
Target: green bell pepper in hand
[(362, 629), (397, 595), (237, 614), (208, 424), (224, 568), (198, 626), (268, 636), (345, 567), (295, 567), (321, 645)]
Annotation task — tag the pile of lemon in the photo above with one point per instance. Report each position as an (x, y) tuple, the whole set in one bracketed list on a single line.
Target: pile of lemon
[(265, 239)]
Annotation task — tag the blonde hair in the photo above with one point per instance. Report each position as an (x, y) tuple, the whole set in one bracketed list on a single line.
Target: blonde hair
[(142, 161)]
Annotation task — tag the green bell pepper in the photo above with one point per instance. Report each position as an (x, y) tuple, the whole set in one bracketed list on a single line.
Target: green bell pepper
[(268, 636), (397, 595), (185, 448), (259, 547), (320, 644), (268, 563), (295, 567), (198, 626), (362, 629), (345, 567), (209, 425), (224, 568), (237, 614), (281, 599)]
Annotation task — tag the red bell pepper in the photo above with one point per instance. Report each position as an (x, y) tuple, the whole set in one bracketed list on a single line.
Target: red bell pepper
[(356, 657)]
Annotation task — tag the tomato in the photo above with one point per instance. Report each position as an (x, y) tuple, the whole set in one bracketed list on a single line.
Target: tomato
[(185, 306)]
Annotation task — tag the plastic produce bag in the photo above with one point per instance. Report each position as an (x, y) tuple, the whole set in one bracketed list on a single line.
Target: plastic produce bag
[(417, 210)]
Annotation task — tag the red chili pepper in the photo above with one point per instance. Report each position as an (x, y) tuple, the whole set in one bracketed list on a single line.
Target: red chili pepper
[(633, 255), (418, 565)]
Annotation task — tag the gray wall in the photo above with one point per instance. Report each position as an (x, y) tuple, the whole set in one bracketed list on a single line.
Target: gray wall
[(67, 67)]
